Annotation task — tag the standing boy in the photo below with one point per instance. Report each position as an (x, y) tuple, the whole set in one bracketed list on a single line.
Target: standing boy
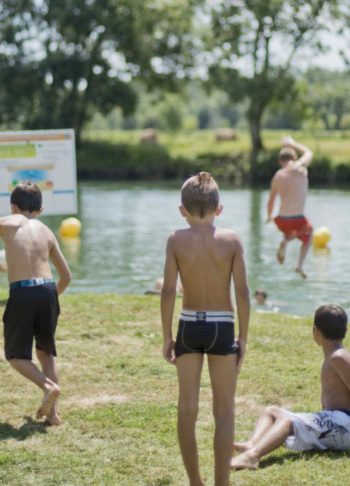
[(329, 429), (291, 184), (207, 258), (32, 308)]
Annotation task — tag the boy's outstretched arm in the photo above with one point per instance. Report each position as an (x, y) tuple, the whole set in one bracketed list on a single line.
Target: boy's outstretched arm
[(272, 197), (306, 153), (242, 299), (167, 300), (61, 265)]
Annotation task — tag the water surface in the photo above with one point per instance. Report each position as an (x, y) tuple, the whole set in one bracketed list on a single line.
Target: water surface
[(125, 227)]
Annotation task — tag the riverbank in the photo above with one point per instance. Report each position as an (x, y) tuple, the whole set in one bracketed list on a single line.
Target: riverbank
[(117, 154), (119, 398)]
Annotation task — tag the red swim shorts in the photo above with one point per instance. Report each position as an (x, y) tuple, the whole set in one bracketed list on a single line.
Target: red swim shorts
[(294, 227)]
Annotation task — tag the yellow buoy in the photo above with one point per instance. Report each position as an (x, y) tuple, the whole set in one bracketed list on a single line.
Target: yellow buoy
[(70, 228), (321, 237)]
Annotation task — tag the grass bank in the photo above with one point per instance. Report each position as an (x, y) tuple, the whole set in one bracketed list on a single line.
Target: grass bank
[(116, 153), (119, 402)]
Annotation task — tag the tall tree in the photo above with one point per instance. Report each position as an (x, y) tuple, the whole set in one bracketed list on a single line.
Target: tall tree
[(62, 59), (254, 45), (328, 96)]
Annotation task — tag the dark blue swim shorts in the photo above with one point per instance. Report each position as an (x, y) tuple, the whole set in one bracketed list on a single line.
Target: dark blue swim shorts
[(31, 314), (206, 332)]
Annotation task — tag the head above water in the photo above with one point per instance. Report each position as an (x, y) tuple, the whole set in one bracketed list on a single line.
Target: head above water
[(331, 320), (27, 197), (260, 296), (286, 154), (200, 195)]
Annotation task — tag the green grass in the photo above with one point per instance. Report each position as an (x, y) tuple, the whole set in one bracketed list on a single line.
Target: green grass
[(193, 144), (119, 399)]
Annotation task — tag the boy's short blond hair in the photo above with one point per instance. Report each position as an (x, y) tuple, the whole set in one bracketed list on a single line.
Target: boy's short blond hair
[(200, 195), (286, 154)]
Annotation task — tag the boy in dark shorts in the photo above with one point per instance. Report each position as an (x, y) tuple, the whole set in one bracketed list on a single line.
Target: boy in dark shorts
[(325, 430), (32, 308), (207, 259)]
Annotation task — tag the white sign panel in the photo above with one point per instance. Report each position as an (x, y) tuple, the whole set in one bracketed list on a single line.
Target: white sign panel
[(46, 157)]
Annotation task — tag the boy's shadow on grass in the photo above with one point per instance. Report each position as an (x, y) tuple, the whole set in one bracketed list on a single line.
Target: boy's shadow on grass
[(29, 428), (297, 456), (3, 301)]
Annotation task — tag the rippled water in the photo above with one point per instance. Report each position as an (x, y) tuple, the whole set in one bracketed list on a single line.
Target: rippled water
[(125, 227)]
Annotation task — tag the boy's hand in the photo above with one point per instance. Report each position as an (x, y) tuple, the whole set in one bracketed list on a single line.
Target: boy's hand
[(241, 353), (169, 350), (288, 141)]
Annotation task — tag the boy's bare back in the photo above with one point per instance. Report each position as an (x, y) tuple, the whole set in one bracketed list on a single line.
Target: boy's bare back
[(335, 380), (206, 257), (291, 183), (29, 245)]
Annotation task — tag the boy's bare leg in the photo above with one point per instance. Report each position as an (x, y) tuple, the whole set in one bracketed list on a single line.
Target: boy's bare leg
[(274, 437), (303, 252), (30, 371), (223, 375), (281, 252), (189, 368), (48, 364), (264, 423)]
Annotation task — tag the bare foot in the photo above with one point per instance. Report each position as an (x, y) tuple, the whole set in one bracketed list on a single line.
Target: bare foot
[(53, 418), (281, 253), (242, 446), (302, 273), (50, 396), (246, 460)]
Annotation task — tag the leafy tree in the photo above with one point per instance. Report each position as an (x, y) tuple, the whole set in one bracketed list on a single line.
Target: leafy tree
[(328, 96), (61, 60), (254, 44)]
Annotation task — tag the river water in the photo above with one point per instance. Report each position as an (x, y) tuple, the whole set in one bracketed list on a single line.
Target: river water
[(125, 227)]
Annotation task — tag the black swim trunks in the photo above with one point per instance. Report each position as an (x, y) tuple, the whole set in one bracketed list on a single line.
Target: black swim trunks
[(208, 332), (31, 313)]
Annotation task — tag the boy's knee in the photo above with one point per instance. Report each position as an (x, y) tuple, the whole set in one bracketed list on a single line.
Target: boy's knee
[(223, 414), (188, 411), (43, 355), (273, 411)]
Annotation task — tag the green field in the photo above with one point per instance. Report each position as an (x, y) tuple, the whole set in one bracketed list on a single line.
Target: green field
[(333, 145), (119, 396)]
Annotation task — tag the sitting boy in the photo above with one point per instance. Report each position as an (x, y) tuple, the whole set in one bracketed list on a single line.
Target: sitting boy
[(328, 429), (32, 308), (207, 259)]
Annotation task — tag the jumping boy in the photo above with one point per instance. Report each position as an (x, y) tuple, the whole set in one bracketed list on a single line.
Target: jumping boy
[(329, 429), (207, 258), (32, 308), (291, 184)]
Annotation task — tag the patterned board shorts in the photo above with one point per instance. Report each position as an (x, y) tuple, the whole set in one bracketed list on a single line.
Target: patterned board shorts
[(329, 429)]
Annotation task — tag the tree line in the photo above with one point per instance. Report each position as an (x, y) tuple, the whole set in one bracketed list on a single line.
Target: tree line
[(61, 61)]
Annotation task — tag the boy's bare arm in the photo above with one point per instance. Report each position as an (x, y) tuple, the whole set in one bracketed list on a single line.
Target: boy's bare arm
[(167, 300), (242, 298), (341, 364), (272, 198), (61, 265), (307, 154)]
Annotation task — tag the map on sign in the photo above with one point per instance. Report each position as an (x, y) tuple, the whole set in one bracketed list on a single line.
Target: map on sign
[(46, 157)]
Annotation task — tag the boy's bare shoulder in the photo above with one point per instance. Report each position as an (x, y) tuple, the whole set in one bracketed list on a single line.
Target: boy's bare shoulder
[(12, 221), (341, 356)]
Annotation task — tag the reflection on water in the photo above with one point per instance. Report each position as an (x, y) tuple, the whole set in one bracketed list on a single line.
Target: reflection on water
[(125, 227)]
